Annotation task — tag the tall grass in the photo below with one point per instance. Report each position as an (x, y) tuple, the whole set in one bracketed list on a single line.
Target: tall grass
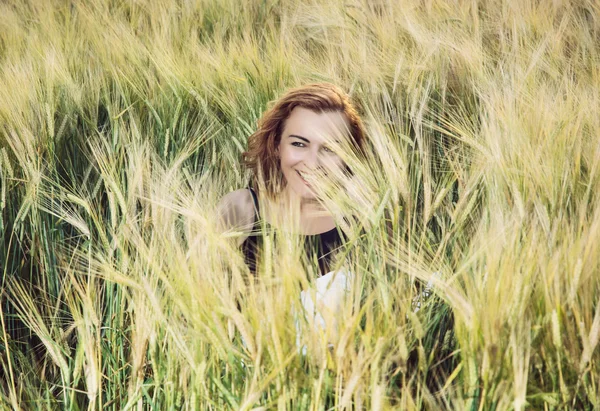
[(122, 124)]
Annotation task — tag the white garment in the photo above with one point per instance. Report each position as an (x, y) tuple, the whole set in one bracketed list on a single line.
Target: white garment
[(321, 305)]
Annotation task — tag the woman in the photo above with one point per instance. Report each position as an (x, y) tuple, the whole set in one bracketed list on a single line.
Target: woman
[(297, 151)]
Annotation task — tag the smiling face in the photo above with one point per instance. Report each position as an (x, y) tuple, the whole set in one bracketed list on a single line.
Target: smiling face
[(305, 147)]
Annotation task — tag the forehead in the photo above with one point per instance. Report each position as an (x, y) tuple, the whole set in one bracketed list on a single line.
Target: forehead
[(316, 126)]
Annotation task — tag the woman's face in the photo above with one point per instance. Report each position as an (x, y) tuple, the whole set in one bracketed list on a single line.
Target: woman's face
[(305, 148)]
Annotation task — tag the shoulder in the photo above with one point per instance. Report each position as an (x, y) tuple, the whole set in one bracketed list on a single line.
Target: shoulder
[(236, 209), (241, 197)]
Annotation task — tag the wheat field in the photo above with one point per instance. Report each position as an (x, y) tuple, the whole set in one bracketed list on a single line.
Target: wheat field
[(122, 123)]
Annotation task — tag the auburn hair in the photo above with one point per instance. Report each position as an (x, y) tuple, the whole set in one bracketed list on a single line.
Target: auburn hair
[(261, 157)]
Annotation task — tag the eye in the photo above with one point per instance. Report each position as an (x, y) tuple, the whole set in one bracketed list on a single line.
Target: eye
[(327, 149), (298, 144)]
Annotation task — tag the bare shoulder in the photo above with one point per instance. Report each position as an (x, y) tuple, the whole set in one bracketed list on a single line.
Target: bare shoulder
[(236, 210)]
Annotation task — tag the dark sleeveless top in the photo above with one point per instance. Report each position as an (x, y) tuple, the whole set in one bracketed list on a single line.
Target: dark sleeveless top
[(322, 246)]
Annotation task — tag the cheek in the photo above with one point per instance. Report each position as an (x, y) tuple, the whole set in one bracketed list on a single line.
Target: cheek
[(289, 158), (333, 162)]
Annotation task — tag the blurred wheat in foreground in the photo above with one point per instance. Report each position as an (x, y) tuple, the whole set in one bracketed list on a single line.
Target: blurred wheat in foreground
[(122, 124)]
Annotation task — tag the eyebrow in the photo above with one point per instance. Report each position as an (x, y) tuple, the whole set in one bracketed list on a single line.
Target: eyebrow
[(299, 137)]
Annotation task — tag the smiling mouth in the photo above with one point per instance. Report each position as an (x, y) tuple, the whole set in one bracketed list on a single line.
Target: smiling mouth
[(303, 179)]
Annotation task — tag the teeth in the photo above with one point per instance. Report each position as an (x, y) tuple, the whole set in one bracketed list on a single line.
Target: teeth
[(303, 176)]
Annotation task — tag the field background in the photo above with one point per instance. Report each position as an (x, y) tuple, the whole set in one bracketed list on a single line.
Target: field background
[(122, 124)]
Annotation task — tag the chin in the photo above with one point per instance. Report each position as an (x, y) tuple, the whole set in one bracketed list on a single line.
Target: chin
[(304, 192), (309, 196), (297, 186)]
